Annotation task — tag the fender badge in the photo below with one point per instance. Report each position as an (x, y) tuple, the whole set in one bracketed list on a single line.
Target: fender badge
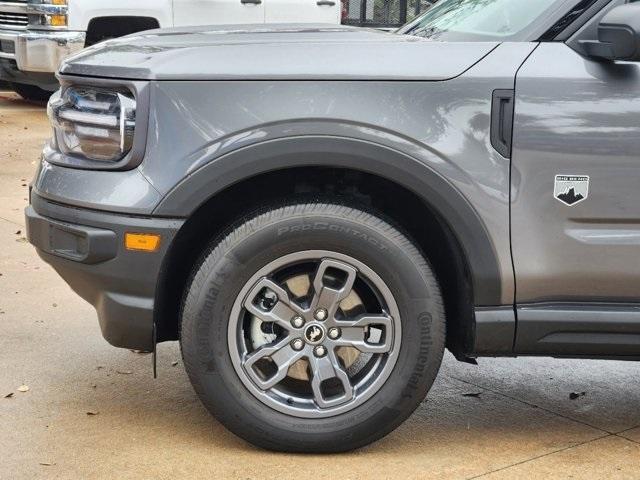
[(571, 189)]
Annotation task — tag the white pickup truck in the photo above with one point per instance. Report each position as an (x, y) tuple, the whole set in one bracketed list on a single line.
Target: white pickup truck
[(36, 34)]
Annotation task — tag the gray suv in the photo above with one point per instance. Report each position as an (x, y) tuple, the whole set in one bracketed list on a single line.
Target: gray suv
[(317, 212)]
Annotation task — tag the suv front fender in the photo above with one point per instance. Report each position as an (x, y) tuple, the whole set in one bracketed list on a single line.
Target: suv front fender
[(361, 155)]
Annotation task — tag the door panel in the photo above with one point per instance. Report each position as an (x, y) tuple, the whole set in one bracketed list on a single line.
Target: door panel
[(297, 11), (577, 118), (216, 12)]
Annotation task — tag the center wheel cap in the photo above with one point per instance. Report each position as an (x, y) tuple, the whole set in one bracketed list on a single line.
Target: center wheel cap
[(314, 334)]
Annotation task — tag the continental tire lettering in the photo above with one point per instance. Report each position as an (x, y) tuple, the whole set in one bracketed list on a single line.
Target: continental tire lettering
[(422, 362), (320, 226), (205, 314)]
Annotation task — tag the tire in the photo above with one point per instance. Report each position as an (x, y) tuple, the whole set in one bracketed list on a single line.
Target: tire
[(335, 240), (31, 92)]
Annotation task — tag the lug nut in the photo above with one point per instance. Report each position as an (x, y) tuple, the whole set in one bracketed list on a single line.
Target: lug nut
[(320, 351), (334, 333), (321, 314), (297, 321), (297, 344), (268, 300)]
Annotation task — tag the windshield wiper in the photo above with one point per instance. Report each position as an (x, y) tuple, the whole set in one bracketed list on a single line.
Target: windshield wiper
[(427, 32)]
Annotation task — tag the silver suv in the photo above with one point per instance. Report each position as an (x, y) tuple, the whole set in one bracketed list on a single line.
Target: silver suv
[(317, 212)]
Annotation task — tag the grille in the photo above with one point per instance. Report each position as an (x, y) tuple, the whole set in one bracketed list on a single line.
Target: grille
[(13, 19), (7, 46), (382, 13)]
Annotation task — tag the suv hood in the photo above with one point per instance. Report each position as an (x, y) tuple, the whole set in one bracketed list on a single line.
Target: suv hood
[(285, 52)]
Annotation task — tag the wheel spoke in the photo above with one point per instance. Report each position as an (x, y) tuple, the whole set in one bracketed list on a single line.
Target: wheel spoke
[(355, 333), (326, 368), (282, 356), (330, 296), (282, 311)]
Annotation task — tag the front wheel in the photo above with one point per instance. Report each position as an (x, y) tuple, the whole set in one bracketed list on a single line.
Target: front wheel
[(312, 328)]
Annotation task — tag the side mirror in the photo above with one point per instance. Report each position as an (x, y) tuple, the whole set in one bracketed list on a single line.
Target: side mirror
[(618, 35)]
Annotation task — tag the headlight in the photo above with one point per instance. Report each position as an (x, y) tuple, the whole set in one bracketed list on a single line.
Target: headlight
[(93, 123)]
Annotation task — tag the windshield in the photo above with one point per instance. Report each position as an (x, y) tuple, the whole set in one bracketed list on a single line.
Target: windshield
[(481, 20)]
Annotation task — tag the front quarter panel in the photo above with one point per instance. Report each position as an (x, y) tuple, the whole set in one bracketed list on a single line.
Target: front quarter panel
[(441, 127)]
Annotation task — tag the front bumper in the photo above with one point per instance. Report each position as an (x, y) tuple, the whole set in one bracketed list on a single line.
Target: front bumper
[(39, 51), (86, 248)]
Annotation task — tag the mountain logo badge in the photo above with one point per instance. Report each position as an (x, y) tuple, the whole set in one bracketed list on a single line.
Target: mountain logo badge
[(571, 189)]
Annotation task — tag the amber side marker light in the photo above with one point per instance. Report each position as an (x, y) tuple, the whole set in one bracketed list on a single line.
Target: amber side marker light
[(58, 20), (144, 242)]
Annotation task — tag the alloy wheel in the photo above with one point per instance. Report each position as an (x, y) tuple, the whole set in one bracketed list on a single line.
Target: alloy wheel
[(314, 334)]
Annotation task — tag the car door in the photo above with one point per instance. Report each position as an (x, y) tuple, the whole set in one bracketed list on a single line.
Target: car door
[(302, 11), (216, 12), (576, 201)]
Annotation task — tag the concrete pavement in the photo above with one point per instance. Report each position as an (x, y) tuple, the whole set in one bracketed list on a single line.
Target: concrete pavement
[(93, 411)]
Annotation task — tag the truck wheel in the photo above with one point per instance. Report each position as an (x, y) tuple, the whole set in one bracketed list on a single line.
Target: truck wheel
[(31, 92), (312, 328)]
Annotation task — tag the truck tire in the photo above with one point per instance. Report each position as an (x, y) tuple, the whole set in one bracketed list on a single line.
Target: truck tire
[(31, 92), (312, 328)]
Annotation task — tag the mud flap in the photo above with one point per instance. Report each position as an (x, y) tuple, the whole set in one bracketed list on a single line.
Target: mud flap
[(154, 352)]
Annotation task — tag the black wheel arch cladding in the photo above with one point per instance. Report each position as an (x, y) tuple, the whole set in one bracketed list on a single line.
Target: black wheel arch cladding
[(358, 155)]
